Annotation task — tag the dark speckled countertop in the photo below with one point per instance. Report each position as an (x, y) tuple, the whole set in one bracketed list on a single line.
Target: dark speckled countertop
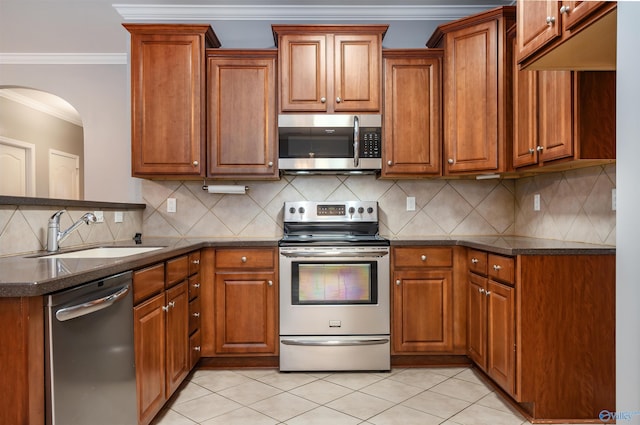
[(30, 275)]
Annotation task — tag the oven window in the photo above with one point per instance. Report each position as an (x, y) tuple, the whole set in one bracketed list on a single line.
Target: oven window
[(334, 283)]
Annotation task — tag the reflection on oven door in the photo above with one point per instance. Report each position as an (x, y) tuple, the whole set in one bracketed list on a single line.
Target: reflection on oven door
[(335, 353)]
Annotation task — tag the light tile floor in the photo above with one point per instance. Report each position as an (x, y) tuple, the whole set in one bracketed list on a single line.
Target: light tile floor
[(412, 396)]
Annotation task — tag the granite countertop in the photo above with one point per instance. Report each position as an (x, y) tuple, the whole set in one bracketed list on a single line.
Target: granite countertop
[(34, 274)]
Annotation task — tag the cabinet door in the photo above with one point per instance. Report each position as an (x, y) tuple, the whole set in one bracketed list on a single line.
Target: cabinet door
[(167, 105), (246, 313), (303, 73), (538, 24), (149, 333), (576, 12), (525, 117), (412, 115), (423, 311), (242, 114), (177, 336), (555, 115), (501, 352), (471, 99), (476, 320), (357, 68)]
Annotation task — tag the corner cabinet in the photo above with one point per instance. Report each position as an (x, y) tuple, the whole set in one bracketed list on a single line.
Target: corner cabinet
[(477, 92), (241, 114), (330, 68), (427, 303), (412, 112), (168, 98), (565, 35)]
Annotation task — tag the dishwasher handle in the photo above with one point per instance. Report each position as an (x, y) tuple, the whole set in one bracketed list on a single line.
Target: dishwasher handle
[(89, 307)]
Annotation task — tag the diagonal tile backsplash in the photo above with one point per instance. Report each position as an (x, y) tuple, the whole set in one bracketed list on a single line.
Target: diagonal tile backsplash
[(576, 206)]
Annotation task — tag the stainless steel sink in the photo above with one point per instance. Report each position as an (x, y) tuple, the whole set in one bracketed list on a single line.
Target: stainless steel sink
[(104, 252)]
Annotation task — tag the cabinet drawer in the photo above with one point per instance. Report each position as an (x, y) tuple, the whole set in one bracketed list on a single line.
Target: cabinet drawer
[(194, 263), (194, 349), (148, 282), (477, 261), (194, 315), (177, 270), (245, 258), (423, 257), (194, 286), (501, 268)]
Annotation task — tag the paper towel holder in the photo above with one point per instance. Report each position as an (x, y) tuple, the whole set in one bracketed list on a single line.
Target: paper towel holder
[(228, 189)]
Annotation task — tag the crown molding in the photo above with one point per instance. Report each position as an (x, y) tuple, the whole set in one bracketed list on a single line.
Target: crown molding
[(279, 13), (40, 106), (63, 58)]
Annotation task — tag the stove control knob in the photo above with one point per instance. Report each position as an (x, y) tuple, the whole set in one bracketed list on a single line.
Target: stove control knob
[(360, 210), (370, 210), (301, 210), (292, 210), (351, 210)]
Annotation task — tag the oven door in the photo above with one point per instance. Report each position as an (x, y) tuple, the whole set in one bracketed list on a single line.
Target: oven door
[(334, 291)]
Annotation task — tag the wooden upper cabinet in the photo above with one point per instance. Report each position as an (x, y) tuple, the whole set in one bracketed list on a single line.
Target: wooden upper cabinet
[(241, 112), (477, 92), (567, 35), (330, 68), (412, 112), (167, 100)]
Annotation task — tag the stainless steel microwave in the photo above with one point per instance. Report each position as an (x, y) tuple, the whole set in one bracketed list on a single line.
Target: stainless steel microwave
[(330, 144)]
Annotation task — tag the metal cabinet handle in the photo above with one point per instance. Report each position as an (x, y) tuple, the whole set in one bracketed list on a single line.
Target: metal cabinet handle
[(338, 99), (165, 308), (270, 282), (423, 258), (195, 262), (550, 20), (532, 151), (243, 259), (481, 290), (195, 163), (496, 267), (564, 9), (270, 164), (196, 285), (474, 261), (398, 282), (540, 148), (389, 162), (196, 314), (196, 348), (450, 160), (487, 293), (172, 304), (323, 99)]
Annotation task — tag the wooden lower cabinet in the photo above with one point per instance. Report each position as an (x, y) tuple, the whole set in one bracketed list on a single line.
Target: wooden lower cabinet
[(177, 336), (426, 302)]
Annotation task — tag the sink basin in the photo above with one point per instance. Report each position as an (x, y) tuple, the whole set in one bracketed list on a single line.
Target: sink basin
[(105, 252)]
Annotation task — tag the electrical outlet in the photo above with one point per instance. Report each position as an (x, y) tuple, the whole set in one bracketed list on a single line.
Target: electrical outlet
[(99, 216), (411, 203), (614, 199), (118, 217), (171, 205), (536, 202)]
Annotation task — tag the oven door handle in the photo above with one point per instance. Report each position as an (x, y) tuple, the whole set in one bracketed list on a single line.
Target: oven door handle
[(336, 342), (368, 254)]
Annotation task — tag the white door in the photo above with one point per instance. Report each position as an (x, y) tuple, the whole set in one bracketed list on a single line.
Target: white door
[(17, 173), (64, 175)]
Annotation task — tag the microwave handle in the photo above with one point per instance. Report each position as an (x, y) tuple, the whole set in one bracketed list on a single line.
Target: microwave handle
[(356, 141)]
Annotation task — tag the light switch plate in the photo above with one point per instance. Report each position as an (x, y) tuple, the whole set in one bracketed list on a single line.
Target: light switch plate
[(171, 205), (118, 217), (99, 216), (411, 203), (536, 202)]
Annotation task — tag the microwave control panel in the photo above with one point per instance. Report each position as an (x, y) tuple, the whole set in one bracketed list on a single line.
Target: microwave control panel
[(370, 143)]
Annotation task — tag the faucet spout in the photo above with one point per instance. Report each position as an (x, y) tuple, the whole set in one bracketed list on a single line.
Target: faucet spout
[(55, 236)]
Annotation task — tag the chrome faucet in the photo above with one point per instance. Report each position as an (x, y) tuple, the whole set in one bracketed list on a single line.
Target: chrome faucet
[(55, 236)]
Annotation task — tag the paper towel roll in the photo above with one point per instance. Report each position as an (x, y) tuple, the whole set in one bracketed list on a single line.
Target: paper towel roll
[(231, 189)]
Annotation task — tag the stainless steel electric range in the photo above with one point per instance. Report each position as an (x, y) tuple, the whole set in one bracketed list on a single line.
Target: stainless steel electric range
[(334, 288)]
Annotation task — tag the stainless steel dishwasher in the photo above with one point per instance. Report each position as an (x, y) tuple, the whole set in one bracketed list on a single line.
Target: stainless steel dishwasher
[(90, 363)]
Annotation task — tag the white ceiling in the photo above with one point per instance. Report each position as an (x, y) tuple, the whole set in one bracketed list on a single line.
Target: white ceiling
[(94, 26)]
